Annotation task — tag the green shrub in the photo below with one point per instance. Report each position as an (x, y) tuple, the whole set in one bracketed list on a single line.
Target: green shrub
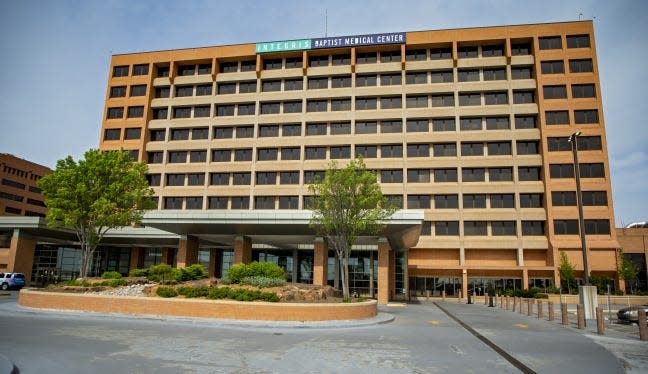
[(619, 292), (237, 272), (218, 293), (139, 273), (160, 273), (111, 275), (263, 282), (114, 283), (191, 292), (166, 292), (241, 294), (194, 272)]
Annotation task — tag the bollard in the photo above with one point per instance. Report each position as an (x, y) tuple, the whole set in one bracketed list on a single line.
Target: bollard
[(521, 308), (506, 300), (539, 308), (470, 299), (459, 297), (551, 311), (514, 302), (530, 307), (501, 301), (600, 321), (443, 295), (643, 325), (490, 302), (580, 314), (563, 314), (486, 296), (427, 294)]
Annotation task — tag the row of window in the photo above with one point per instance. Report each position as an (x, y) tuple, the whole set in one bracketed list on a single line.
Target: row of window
[(578, 91), (20, 173), (575, 66), (17, 198)]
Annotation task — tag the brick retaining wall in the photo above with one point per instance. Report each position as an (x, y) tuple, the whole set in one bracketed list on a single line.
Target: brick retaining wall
[(182, 307)]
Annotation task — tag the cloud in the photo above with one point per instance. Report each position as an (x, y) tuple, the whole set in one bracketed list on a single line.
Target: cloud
[(634, 159)]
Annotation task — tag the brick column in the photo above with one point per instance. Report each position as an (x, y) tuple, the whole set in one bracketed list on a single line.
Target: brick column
[(320, 262), (384, 273), (187, 251), (525, 279), (136, 258), (464, 284), (242, 250), (211, 271), (21, 254), (167, 256)]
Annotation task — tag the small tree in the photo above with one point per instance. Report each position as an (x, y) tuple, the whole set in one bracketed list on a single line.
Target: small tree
[(566, 271), (626, 269), (348, 202), (103, 191)]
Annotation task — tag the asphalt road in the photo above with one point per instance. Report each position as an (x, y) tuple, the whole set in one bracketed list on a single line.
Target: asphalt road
[(421, 339)]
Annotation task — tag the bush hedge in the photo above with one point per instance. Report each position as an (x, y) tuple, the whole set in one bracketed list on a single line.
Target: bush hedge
[(238, 272), (111, 275), (164, 273), (139, 273), (263, 282), (166, 292), (218, 293)]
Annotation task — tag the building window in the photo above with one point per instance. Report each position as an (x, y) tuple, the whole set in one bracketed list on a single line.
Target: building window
[(293, 62), (525, 122), (228, 67), (395, 201), (474, 201), (391, 127), (314, 61), (581, 66), (554, 92), (523, 97), (200, 133), (162, 71), (521, 72), (391, 151), (561, 171), (492, 50), (120, 71), (597, 227), (595, 198), (155, 157), (527, 147), (291, 130), (315, 129), (475, 228), (366, 58), (446, 201), (135, 133), (270, 108), (445, 175), (292, 107), (418, 125), (153, 179), (366, 80), (466, 99), (468, 52), (503, 228), (221, 155), (531, 200), (341, 82), (219, 179), (366, 151), (173, 203), (185, 70), (266, 131), (418, 150), (473, 174), (496, 98), (182, 112), (112, 134), (162, 92), (264, 202), (247, 87), (392, 102), (223, 132), (418, 78), (204, 89), (198, 156), (366, 128), (315, 153), (418, 101), (589, 143), (441, 53), (196, 179), (244, 132), (289, 177), (158, 135), (443, 124), (497, 123), (341, 152), (583, 91), (118, 91), (578, 41), (472, 149), (266, 177), (180, 134), (311, 176), (533, 228), (418, 175), (528, 173), (204, 68), (340, 128), (594, 170), (499, 148), (471, 75), (520, 49), (502, 201), (177, 157), (586, 116), (247, 109), (183, 91), (194, 202), (504, 174), (226, 88), (563, 198), (288, 202), (342, 59), (416, 55), (495, 74), (115, 113), (248, 65), (565, 227), (241, 202), (552, 67), (418, 201), (443, 100), (446, 228), (272, 64), (290, 153), (317, 106), (217, 202), (391, 176), (390, 56), (293, 84), (317, 83), (239, 179), (175, 179), (550, 42), (267, 154), (470, 124), (444, 149), (243, 154), (203, 111), (557, 117)]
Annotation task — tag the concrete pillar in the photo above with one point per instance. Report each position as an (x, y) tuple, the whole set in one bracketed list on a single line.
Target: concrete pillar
[(136, 258), (242, 250), (384, 274), (525, 279), (21, 254), (320, 262), (211, 270), (187, 251), (464, 282)]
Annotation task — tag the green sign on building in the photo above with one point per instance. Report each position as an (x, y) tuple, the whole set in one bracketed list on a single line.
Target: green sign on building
[(283, 45)]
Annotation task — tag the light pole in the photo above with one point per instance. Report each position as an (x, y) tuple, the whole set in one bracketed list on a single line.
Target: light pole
[(573, 139)]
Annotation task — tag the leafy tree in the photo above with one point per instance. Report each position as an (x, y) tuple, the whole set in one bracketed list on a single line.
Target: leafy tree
[(348, 202), (103, 191), (566, 272), (626, 269)]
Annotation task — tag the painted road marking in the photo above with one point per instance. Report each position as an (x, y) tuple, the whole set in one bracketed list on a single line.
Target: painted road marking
[(522, 325), (434, 322), (397, 305)]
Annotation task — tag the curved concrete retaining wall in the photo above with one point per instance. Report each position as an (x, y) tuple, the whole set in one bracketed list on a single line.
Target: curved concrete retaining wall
[(182, 307)]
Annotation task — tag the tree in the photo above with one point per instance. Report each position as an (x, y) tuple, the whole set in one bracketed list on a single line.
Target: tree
[(348, 202), (103, 191), (566, 271), (626, 269)]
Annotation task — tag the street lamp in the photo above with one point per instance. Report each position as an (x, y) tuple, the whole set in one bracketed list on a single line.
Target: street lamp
[(573, 139)]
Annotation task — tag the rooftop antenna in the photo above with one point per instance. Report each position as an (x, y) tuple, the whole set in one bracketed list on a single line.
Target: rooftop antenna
[(580, 15), (325, 23)]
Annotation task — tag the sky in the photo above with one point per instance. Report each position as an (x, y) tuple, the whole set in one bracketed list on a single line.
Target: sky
[(55, 57)]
